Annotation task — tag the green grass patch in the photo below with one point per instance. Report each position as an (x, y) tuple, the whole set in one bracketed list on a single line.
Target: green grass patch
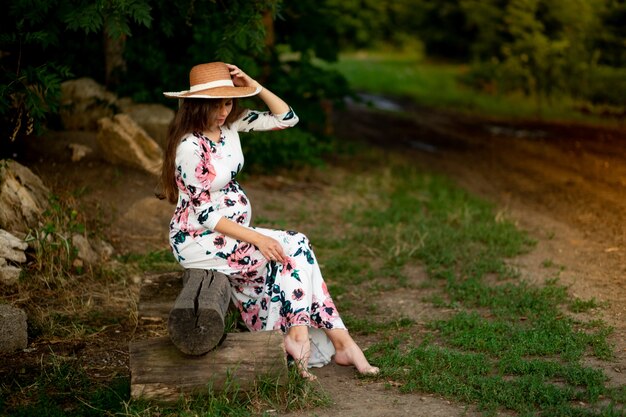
[(507, 344), (155, 261), (63, 388), (365, 326), (438, 85)]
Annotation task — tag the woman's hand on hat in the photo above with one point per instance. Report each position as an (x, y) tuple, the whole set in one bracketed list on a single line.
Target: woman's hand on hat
[(240, 78)]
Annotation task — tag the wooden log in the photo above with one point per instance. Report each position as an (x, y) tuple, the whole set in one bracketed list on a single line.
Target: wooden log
[(196, 322), (160, 372)]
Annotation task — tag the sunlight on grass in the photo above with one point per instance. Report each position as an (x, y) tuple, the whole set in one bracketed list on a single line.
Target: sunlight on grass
[(438, 85), (504, 344)]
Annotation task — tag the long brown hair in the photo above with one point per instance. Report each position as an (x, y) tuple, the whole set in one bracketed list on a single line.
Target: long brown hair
[(194, 115)]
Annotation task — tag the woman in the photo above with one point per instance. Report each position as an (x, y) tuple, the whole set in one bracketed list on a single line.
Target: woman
[(275, 279)]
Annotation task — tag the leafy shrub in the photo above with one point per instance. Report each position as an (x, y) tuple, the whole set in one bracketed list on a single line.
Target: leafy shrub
[(284, 149), (606, 85)]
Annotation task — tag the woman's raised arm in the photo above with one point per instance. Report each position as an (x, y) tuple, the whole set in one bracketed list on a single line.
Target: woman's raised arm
[(241, 79)]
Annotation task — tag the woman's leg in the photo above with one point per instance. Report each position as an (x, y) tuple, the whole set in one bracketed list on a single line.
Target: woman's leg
[(297, 344), (347, 352)]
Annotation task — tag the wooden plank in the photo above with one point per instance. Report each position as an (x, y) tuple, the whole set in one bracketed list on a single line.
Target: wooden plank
[(196, 322), (159, 371)]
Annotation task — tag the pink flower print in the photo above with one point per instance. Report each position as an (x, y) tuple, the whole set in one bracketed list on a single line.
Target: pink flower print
[(242, 199), (297, 294), (181, 216), (325, 289), (280, 324), (205, 171), (241, 259), (301, 317), (288, 267), (250, 315), (328, 312), (219, 241), (180, 183)]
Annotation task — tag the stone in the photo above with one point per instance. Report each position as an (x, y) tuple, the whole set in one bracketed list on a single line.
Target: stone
[(104, 249), (11, 247), (123, 141), (13, 329), (91, 251), (83, 103), (85, 250), (9, 274), (23, 197), (153, 118), (79, 151)]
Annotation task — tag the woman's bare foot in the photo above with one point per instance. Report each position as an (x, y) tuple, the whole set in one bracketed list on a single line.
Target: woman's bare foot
[(353, 355), (297, 345), (347, 352)]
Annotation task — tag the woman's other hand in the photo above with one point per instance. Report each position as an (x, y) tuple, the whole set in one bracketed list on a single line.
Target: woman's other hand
[(240, 78), (270, 248)]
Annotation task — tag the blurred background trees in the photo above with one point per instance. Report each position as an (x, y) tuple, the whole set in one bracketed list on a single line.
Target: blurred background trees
[(139, 48)]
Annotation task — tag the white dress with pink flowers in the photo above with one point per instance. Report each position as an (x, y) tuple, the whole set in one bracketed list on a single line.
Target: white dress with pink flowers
[(269, 295)]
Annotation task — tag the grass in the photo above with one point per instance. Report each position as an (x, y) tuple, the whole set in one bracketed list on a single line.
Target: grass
[(437, 85), (64, 389), (503, 343)]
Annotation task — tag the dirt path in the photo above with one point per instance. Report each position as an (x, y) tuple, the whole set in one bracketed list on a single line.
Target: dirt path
[(564, 184)]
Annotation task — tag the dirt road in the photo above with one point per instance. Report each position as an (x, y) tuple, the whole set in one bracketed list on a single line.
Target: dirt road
[(564, 183)]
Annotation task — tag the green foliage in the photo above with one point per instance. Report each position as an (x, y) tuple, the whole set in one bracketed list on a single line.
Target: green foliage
[(54, 253), (269, 151), (34, 44), (446, 86), (155, 261), (44, 43), (63, 389)]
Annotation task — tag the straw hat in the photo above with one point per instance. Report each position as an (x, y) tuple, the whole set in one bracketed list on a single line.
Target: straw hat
[(212, 80)]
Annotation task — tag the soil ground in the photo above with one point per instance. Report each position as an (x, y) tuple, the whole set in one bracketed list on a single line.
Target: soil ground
[(563, 183)]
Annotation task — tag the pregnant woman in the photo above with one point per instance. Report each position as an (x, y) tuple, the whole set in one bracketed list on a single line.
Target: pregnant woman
[(275, 278)]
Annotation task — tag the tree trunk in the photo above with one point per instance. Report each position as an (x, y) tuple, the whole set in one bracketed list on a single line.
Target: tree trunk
[(196, 323), (114, 62)]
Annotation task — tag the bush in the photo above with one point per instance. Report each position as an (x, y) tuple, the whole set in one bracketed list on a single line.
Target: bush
[(606, 85), (284, 149)]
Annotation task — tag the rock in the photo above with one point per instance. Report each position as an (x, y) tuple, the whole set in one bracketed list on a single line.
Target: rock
[(85, 251), (9, 275), (13, 329), (123, 141), (103, 249), (91, 251), (83, 103), (153, 118), (12, 248), (79, 151), (23, 197)]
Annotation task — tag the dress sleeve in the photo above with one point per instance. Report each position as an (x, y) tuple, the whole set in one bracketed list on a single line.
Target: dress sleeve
[(195, 173), (254, 120)]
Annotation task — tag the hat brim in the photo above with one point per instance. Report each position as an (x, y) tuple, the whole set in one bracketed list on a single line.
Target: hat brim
[(218, 92)]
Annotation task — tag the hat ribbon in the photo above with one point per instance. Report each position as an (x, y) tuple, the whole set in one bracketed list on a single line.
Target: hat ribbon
[(212, 84)]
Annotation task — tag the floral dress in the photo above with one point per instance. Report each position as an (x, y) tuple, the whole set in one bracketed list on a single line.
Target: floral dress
[(269, 295)]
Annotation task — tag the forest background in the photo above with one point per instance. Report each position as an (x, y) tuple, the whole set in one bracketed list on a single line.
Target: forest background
[(548, 50)]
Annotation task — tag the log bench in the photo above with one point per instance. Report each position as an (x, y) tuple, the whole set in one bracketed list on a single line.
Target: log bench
[(197, 353)]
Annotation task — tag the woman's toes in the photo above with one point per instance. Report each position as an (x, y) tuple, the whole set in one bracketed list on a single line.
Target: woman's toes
[(370, 371)]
